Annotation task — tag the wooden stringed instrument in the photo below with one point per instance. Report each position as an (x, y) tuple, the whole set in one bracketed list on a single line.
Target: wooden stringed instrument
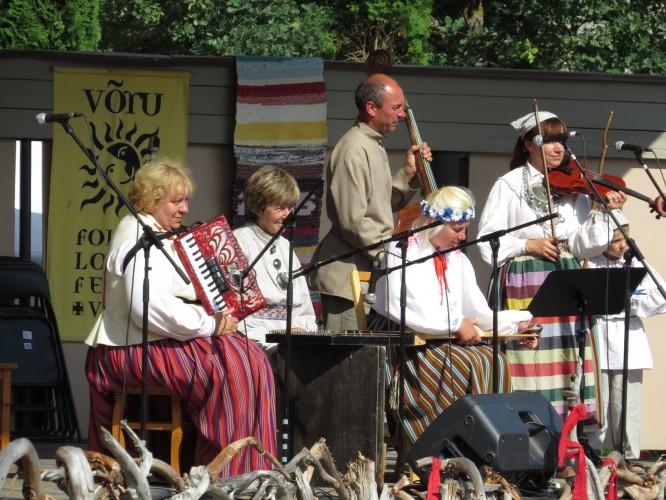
[(408, 215)]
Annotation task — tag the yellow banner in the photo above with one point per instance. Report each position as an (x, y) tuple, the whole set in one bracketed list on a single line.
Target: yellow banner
[(130, 114)]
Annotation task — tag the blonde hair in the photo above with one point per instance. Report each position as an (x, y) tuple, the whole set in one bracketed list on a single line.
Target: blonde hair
[(456, 198), (157, 179), (270, 185)]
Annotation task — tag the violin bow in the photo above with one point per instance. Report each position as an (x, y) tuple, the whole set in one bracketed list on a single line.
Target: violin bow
[(603, 153), (545, 167), (586, 262)]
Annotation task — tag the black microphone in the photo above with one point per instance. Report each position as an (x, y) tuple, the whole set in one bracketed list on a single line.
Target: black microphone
[(371, 296), (623, 146), (44, 118), (540, 140), (628, 255)]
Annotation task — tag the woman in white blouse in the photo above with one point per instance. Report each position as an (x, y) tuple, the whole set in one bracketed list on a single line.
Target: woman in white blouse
[(270, 195), (443, 302), (526, 256)]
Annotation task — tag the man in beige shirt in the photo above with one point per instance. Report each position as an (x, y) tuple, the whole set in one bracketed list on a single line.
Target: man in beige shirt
[(362, 195)]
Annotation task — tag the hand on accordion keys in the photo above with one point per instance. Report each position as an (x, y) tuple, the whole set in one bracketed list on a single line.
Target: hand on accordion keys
[(225, 323)]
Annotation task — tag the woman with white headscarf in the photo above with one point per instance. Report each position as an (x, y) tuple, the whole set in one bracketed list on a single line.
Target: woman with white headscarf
[(526, 256)]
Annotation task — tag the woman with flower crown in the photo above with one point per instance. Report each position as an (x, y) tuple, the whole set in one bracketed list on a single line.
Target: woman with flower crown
[(526, 256), (446, 305)]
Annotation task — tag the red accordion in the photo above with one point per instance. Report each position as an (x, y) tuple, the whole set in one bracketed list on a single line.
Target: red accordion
[(211, 255)]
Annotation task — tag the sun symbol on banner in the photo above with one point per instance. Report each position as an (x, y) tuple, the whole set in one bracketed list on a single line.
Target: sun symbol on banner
[(126, 151)]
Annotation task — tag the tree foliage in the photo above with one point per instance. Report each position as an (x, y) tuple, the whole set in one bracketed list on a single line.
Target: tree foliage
[(49, 24), (613, 36), (213, 27), (401, 27)]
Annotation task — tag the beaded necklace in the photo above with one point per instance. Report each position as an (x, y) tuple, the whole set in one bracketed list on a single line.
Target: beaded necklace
[(537, 198)]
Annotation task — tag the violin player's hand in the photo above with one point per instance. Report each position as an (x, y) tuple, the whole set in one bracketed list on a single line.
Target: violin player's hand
[(616, 199), (543, 247), (660, 206)]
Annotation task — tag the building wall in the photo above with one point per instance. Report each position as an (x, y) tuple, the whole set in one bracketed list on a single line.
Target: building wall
[(457, 110)]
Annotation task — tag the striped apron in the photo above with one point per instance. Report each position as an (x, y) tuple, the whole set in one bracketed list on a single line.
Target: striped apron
[(439, 373), (550, 367)]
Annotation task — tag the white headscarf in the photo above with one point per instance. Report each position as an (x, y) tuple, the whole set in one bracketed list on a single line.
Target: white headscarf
[(621, 218), (526, 123)]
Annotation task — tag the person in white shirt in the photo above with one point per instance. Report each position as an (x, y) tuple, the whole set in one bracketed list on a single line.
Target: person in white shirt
[(228, 386), (645, 301), (445, 303), (526, 256), (270, 195)]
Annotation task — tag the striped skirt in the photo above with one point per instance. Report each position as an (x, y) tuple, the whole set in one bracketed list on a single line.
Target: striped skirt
[(439, 373), (228, 386), (549, 368)]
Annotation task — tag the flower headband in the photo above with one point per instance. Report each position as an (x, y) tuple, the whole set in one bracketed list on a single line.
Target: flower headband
[(447, 214)]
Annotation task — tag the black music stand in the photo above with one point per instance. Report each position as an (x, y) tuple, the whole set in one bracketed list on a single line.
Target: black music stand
[(579, 292)]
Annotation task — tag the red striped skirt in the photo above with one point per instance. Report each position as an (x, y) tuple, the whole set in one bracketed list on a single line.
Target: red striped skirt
[(228, 386)]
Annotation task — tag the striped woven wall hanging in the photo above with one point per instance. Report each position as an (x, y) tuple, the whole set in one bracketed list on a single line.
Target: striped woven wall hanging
[(281, 120)]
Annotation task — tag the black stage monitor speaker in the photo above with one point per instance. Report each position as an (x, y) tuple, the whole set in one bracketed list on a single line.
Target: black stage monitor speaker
[(516, 434)]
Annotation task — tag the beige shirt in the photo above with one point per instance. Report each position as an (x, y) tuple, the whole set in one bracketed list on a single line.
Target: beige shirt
[(361, 198)]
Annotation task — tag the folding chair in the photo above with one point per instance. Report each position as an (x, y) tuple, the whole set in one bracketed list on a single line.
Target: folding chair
[(42, 401)]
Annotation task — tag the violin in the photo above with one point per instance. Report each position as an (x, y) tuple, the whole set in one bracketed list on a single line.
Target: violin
[(568, 179), (408, 215)]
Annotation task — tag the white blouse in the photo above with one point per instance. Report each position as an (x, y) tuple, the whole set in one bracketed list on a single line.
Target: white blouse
[(431, 309), (169, 315), (646, 301), (518, 197), (274, 261)]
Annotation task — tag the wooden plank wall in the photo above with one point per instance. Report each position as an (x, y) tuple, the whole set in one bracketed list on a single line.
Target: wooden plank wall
[(457, 109)]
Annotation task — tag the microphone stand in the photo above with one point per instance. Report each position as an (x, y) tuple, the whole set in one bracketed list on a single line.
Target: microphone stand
[(289, 224), (494, 304), (639, 158), (335, 258), (148, 239), (635, 251), (403, 291), (625, 360), (286, 442)]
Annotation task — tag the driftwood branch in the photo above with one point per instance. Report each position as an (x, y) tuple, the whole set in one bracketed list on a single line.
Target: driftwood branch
[(164, 470), (360, 479), (22, 452), (458, 466), (78, 477), (398, 489), (135, 477), (225, 456), (322, 455)]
